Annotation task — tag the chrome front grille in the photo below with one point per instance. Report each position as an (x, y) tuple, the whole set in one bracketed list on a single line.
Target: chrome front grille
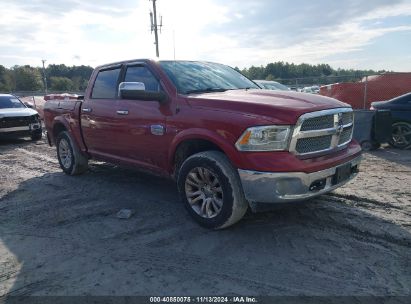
[(322, 132), (345, 136), (307, 145), (318, 123), (347, 118)]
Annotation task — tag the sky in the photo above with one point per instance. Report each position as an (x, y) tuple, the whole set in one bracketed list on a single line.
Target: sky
[(372, 34)]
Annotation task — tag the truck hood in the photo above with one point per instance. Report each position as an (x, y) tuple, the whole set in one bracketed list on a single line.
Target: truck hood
[(17, 112), (282, 107)]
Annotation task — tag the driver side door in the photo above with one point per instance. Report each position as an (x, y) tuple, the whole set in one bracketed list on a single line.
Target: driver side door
[(144, 140)]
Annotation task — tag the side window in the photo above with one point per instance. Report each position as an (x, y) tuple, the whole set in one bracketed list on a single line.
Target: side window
[(142, 74), (105, 86)]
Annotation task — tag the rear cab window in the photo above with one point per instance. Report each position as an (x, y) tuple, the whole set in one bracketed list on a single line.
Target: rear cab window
[(106, 84)]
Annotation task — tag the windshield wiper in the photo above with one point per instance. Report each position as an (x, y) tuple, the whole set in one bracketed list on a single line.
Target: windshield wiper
[(236, 89), (206, 90)]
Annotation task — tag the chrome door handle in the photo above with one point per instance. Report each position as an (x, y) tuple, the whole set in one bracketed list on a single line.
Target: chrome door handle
[(122, 112), (86, 110)]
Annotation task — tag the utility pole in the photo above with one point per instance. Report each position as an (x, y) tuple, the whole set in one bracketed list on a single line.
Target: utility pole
[(155, 26), (44, 75), (174, 44), (365, 91)]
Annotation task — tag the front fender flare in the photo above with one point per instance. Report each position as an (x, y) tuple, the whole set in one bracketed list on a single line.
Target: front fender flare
[(223, 142)]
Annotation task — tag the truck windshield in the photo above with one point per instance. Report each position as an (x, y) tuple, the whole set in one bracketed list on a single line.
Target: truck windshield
[(203, 77), (7, 102)]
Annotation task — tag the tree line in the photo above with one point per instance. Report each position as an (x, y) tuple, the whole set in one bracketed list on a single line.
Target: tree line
[(74, 78), (59, 78), (290, 73)]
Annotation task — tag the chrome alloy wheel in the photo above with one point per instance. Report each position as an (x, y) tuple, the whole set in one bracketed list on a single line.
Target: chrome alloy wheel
[(204, 192), (65, 154), (401, 134)]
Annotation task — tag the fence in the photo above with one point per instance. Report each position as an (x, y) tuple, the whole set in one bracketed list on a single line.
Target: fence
[(359, 90), (302, 82), (41, 93)]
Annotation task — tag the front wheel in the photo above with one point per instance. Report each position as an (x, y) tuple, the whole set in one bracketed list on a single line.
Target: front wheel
[(72, 162), (401, 135), (211, 190)]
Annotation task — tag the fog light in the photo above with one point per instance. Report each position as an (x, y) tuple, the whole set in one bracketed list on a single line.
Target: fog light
[(35, 126), (318, 185)]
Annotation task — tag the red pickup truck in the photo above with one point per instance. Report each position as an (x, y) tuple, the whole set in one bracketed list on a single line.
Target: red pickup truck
[(227, 143)]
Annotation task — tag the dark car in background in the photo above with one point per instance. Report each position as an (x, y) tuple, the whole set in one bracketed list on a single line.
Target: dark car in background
[(400, 108), (18, 120)]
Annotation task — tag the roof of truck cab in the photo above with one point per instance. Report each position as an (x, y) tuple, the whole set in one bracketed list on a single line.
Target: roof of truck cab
[(113, 64), (124, 62)]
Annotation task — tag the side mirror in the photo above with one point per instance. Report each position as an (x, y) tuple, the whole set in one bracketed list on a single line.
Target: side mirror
[(131, 86), (137, 91)]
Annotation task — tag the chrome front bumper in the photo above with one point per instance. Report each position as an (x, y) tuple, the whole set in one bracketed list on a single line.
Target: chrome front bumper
[(268, 187)]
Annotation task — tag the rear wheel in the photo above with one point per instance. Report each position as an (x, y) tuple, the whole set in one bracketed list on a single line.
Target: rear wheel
[(72, 162), (211, 190), (401, 135)]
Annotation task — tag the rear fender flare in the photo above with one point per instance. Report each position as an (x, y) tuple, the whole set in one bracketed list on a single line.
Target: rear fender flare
[(72, 128)]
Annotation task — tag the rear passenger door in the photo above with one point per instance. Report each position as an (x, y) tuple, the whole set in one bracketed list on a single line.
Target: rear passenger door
[(99, 121)]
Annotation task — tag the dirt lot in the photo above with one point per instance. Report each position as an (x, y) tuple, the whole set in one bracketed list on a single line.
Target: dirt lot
[(59, 235)]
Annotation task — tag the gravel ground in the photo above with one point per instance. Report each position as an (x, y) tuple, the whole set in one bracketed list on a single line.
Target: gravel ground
[(59, 235)]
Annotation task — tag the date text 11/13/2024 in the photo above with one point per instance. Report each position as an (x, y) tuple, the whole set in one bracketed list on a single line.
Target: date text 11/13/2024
[(204, 299)]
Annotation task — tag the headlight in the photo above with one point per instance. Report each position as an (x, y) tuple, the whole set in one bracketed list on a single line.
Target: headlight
[(35, 118), (265, 138)]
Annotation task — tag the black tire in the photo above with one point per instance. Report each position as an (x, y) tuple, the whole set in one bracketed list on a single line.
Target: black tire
[(366, 145), (234, 204), (376, 145), (370, 145), (78, 163), (36, 136), (401, 136)]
